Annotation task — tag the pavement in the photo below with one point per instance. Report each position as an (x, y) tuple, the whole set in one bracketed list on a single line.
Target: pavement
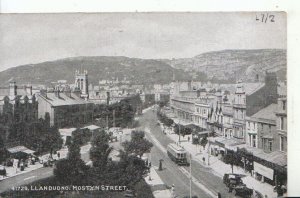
[(158, 187), (218, 167)]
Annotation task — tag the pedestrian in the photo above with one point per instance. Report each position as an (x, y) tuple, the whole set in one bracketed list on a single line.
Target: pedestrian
[(58, 154)]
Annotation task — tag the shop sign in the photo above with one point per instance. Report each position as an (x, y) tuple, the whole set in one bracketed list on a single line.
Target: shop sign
[(265, 171)]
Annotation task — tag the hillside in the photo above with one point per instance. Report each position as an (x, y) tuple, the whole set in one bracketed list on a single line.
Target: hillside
[(100, 67), (229, 65), (220, 66)]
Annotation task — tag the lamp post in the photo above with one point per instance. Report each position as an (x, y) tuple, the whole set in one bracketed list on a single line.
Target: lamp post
[(179, 131), (190, 175)]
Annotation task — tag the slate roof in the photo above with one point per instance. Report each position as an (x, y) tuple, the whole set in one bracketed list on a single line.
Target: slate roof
[(266, 113), (63, 99)]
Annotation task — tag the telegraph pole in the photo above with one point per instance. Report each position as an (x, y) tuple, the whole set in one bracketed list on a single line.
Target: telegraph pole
[(190, 175), (107, 122), (179, 131), (114, 119)]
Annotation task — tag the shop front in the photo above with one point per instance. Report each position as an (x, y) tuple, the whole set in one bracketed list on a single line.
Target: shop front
[(267, 167)]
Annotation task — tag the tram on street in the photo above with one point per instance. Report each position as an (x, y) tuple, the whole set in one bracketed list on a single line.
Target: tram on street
[(177, 154)]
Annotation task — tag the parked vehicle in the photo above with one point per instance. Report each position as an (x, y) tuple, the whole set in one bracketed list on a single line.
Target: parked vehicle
[(2, 171), (177, 154), (235, 185), (232, 180), (242, 190)]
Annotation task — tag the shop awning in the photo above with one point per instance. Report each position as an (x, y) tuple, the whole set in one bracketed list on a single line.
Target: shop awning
[(91, 127), (66, 131), (227, 143), (28, 151), (17, 149)]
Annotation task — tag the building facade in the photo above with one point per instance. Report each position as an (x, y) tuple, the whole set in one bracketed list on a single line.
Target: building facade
[(65, 109)]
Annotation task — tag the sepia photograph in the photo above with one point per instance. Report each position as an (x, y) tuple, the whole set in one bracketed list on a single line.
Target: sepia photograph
[(144, 104)]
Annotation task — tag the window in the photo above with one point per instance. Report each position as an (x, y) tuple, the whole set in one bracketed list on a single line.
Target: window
[(284, 105), (254, 140), (281, 123), (281, 143), (270, 145)]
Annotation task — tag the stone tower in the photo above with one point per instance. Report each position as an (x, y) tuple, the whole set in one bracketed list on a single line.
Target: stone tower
[(81, 83)]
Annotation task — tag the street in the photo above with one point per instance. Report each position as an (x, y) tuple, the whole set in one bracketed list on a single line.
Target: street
[(205, 184)]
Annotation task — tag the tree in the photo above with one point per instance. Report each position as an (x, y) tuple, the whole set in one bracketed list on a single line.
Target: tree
[(100, 150), (2, 150), (138, 145), (231, 158), (203, 141), (132, 168), (71, 171)]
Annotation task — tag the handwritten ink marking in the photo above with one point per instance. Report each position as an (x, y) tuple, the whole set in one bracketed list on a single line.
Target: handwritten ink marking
[(265, 17)]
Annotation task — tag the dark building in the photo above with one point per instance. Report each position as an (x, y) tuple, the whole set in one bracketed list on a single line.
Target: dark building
[(18, 107), (264, 96)]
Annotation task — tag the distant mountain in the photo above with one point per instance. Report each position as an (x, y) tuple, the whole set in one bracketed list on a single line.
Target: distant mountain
[(141, 71), (231, 65), (219, 66)]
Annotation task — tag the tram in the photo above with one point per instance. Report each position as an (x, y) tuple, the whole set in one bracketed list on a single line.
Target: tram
[(177, 154)]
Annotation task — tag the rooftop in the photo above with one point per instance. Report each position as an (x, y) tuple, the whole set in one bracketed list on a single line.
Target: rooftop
[(266, 113), (63, 99)]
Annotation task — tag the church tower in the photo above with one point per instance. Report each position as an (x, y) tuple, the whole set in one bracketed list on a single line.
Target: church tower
[(81, 83)]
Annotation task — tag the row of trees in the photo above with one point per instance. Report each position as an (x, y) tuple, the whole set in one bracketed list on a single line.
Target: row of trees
[(119, 114), (164, 119), (128, 171), (38, 136)]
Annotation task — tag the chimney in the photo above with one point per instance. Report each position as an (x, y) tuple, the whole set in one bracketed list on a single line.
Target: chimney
[(189, 85), (43, 92), (29, 89), (12, 88), (56, 92)]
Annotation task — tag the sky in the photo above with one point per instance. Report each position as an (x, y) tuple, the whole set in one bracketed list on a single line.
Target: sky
[(35, 38)]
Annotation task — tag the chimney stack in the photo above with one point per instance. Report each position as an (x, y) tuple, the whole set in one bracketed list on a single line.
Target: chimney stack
[(56, 92), (29, 89), (12, 88)]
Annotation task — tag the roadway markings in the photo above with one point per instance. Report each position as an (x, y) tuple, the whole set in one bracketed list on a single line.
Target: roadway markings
[(29, 178), (183, 170)]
